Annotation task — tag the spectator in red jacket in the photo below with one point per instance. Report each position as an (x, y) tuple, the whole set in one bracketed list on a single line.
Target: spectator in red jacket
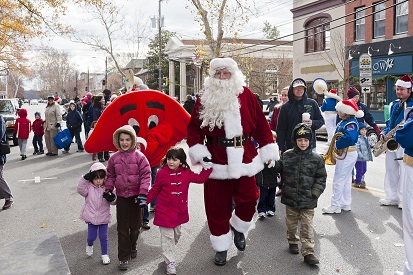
[(38, 131), (22, 128)]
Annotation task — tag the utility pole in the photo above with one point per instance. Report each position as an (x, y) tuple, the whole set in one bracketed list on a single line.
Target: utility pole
[(160, 47), (106, 72)]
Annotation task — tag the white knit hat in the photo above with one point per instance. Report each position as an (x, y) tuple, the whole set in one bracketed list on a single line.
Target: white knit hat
[(349, 106)]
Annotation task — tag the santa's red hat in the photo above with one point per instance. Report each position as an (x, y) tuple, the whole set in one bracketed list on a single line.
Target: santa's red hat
[(333, 94), (405, 81), (349, 107)]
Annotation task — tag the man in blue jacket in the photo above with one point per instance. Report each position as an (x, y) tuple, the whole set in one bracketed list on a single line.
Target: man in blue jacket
[(291, 114)]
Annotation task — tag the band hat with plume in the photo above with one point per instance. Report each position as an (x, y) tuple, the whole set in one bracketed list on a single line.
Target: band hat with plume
[(349, 106), (405, 81), (221, 63)]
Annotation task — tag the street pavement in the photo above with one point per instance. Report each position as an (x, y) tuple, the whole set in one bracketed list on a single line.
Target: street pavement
[(367, 240)]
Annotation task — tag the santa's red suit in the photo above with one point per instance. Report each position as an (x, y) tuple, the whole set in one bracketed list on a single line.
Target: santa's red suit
[(234, 167)]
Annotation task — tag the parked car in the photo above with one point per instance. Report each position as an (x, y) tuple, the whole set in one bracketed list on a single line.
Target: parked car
[(9, 113), (34, 102)]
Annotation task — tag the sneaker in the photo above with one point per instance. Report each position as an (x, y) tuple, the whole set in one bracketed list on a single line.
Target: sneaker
[(387, 202), (399, 205), (80, 151), (332, 209), (270, 213), (41, 153), (7, 204), (363, 184), (65, 152), (293, 248), (123, 265), (89, 250), (311, 259), (145, 226), (171, 268), (35, 153), (356, 185), (261, 215), (346, 207), (105, 259)]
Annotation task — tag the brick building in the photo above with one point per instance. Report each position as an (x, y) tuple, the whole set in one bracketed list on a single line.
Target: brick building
[(384, 31)]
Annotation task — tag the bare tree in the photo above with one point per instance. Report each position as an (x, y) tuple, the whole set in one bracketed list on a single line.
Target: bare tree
[(219, 17)]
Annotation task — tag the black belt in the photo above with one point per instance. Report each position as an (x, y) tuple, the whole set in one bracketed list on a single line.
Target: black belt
[(237, 141)]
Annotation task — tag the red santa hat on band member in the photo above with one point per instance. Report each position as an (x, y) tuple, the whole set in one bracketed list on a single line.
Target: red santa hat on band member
[(333, 94), (349, 106), (405, 81), (222, 62)]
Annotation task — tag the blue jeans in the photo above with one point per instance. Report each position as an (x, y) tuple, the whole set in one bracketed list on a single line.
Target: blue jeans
[(145, 217), (78, 141), (267, 200), (92, 232)]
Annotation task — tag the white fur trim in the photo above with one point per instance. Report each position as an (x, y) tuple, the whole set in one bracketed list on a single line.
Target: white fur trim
[(221, 171), (221, 243), (334, 96), (141, 141), (238, 224), (232, 124), (405, 84), (198, 152), (234, 156), (218, 63), (347, 109), (359, 113), (271, 151)]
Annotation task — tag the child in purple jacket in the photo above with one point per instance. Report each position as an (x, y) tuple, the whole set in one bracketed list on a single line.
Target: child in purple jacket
[(96, 210), (171, 190)]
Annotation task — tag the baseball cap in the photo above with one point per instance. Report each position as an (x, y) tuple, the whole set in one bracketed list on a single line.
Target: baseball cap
[(298, 83)]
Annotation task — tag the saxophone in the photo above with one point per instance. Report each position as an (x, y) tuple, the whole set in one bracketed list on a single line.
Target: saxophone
[(332, 153), (388, 142)]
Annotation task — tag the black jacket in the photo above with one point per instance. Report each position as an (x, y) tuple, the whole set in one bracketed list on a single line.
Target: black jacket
[(291, 114)]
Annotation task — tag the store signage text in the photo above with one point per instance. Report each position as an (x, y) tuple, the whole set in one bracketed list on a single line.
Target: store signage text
[(383, 64)]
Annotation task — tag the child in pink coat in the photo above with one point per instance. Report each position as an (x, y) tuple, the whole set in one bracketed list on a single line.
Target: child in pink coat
[(96, 209), (171, 190)]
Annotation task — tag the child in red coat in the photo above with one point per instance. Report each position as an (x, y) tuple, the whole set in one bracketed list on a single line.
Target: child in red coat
[(171, 190), (22, 128), (38, 131)]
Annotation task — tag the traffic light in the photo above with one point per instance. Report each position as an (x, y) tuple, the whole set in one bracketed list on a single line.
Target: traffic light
[(156, 74), (104, 82), (166, 81)]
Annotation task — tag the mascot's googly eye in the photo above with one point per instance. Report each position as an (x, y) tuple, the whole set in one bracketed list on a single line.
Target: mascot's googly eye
[(135, 125), (153, 121)]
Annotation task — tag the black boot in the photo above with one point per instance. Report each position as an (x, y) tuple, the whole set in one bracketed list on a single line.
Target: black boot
[(239, 239), (220, 258)]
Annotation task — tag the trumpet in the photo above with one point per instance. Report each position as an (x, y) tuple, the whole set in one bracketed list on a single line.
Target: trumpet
[(388, 143), (333, 153)]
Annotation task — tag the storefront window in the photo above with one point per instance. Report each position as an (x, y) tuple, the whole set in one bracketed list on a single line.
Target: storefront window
[(376, 99)]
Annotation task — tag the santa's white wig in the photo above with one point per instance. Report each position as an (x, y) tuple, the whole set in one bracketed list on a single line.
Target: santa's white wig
[(220, 97)]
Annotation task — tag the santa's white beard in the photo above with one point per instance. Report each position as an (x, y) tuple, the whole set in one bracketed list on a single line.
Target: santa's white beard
[(219, 98)]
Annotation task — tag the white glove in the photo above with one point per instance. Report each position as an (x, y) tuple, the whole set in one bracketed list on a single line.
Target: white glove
[(206, 163), (271, 164)]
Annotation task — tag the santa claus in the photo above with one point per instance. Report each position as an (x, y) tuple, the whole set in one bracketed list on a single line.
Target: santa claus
[(226, 120)]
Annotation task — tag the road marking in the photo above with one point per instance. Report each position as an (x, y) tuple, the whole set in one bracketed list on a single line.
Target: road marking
[(37, 179)]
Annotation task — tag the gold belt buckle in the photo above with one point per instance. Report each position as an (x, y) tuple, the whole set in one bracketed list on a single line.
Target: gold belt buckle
[(235, 142)]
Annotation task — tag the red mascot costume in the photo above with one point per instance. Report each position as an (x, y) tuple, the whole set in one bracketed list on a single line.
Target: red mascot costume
[(226, 120)]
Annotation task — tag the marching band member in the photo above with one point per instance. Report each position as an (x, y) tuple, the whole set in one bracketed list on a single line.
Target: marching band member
[(330, 113), (392, 182), (348, 127), (403, 136)]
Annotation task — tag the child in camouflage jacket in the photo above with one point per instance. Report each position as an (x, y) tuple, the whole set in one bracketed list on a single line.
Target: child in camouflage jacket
[(303, 179)]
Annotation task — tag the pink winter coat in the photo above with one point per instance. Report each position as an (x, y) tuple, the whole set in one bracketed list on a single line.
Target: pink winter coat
[(171, 188), (129, 173), (23, 126), (96, 209)]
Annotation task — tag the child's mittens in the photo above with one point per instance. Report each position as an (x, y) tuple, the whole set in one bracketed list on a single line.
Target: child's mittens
[(315, 193), (141, 200), (89, 176), (109, 196)]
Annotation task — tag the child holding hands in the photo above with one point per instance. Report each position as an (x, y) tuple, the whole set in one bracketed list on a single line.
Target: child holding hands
[(130, 174), (96, 209), (171, 190)]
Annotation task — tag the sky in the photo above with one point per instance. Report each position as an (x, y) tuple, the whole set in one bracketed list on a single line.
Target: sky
[(177, 18)]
